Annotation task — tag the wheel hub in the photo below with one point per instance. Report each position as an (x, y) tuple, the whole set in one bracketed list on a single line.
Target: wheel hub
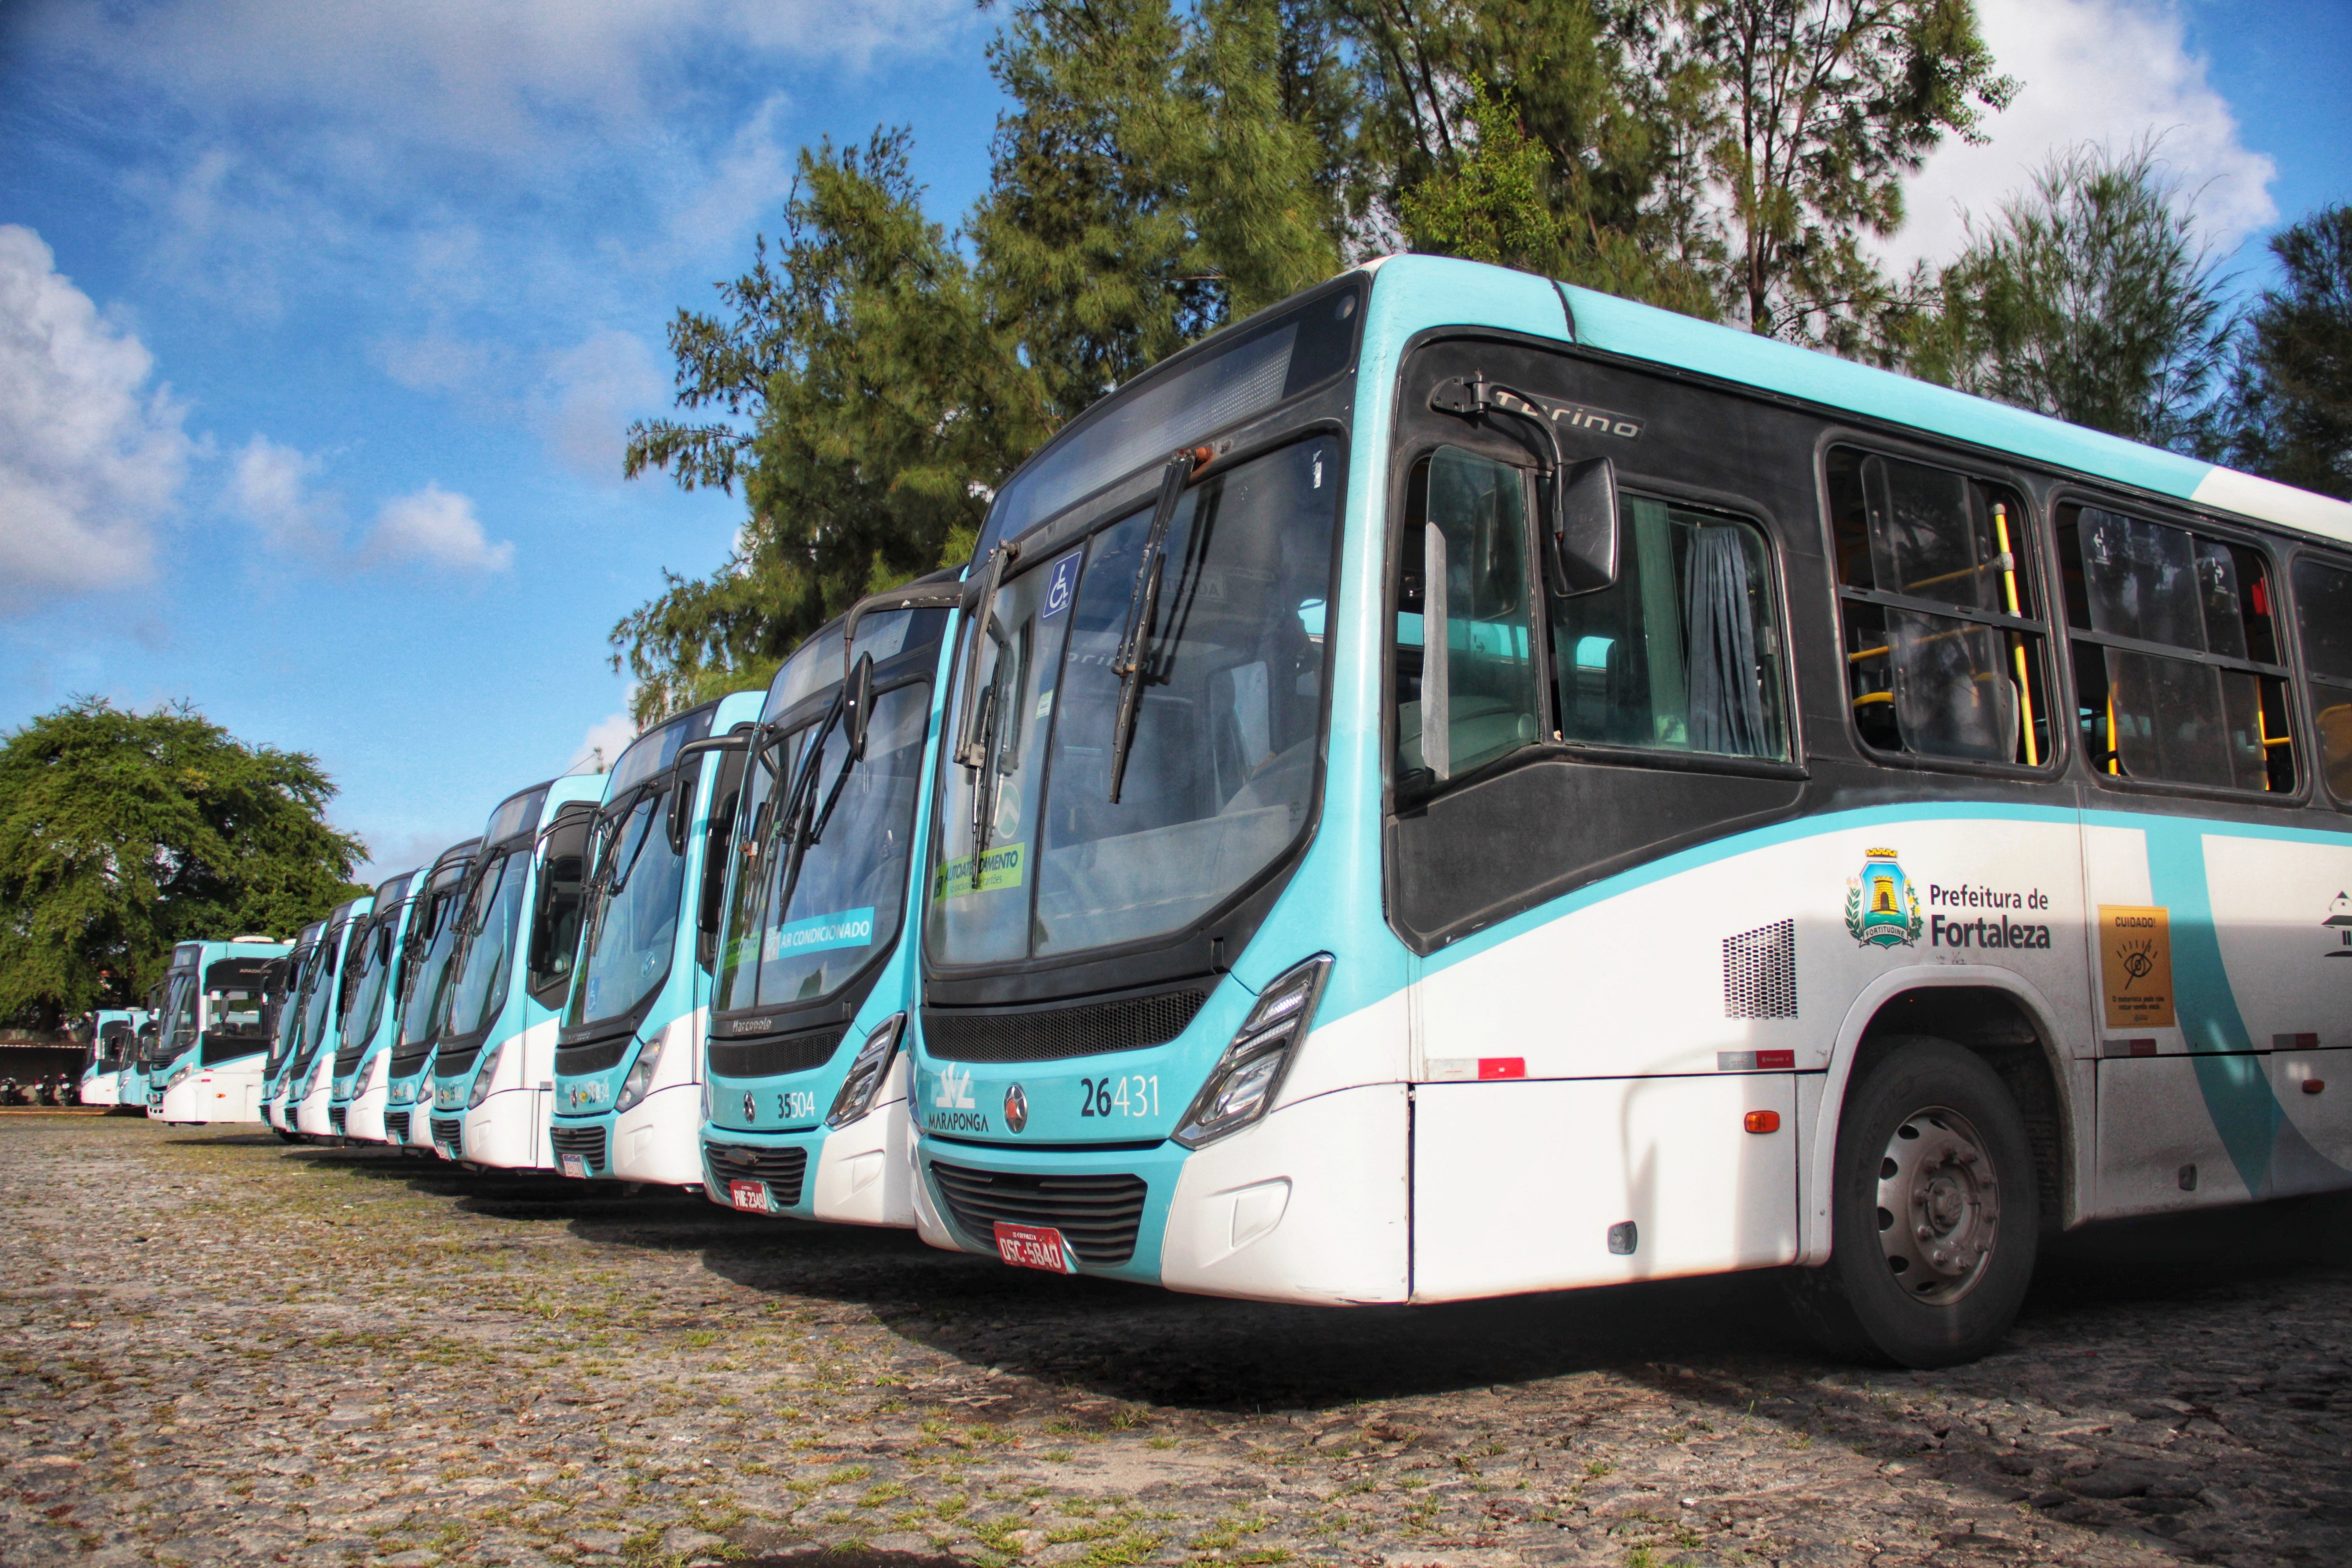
[(1938, 1205)]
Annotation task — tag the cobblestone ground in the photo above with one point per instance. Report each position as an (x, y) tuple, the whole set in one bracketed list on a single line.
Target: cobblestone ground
[(217, 1348)]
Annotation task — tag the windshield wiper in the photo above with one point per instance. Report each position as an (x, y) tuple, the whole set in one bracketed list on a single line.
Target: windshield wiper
[(799, 807), (1135, 645)]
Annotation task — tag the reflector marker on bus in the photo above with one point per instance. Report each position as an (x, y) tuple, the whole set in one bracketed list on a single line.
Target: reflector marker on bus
[(1755, 1061), (2314, 1086), (2138, 1047), (1762, 1122), (1462, 1069), (2295, 1042)]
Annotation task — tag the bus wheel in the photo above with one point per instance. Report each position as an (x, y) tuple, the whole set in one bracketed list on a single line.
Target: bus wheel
[(1934, 1212)]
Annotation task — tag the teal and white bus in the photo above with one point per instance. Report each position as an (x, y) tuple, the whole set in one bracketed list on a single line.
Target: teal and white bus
[(210, 1053), (110, 1034), (628, 1056), (360, 1093), (1478, 786), (429, 943), (310, 1081), (807, 1112), (288, 984), (494, 1064)]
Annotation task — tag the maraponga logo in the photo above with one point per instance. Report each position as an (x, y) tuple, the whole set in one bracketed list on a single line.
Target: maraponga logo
[(1881, 908)]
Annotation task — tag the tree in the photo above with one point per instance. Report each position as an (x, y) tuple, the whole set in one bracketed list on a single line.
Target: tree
[(2288, 412), (2088, 298), (123, 832), (1815, 112), (871, 398)]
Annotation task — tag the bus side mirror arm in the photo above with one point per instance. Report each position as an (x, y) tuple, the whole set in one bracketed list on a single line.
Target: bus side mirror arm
[(682, 792), (1581, 544)]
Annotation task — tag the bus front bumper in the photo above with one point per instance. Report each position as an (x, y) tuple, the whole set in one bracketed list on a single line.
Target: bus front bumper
[(509, 1131)]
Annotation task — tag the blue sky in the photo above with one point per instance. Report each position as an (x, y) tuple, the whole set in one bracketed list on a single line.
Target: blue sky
[(320, 321)]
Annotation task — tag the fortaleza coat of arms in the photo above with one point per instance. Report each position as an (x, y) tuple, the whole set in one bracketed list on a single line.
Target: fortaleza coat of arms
[(1880, 908)]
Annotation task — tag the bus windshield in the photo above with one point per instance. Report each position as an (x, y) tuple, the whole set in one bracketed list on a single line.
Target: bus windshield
[(1036, 858), (808, 914), (363, 1004), (318, 1004), (288, 1020), (633, 908), (179, 1029), (425, 985), (492, 920)]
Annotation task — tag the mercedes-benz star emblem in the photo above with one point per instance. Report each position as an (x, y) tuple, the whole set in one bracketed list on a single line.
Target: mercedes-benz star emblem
[(1016, 1109), (751, 1107)]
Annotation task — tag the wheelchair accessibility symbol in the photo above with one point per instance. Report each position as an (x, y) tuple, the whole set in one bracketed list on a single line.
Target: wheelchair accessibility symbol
[(1061, 587)]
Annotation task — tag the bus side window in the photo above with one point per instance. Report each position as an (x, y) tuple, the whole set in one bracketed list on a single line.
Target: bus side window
[(1681, 653), (1468, 696), (2323, 606), (2212, 709), (1944, 642)]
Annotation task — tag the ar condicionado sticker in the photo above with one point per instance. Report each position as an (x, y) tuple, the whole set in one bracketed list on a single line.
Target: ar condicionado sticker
[(2136, 962)]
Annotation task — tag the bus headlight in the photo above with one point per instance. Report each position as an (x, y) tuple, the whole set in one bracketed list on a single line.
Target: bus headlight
[(867, 1073), (486, 1074), (641, 1076), (1249, 1073), (176, 1079)]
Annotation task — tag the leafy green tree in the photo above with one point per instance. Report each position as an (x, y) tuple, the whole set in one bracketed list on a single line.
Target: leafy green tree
[(870, 400), (123, 832), (1814, 112), (2288, 412), (2089, 298)]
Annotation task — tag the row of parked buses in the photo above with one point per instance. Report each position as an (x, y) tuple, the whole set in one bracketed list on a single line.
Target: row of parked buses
[(1455, 785)]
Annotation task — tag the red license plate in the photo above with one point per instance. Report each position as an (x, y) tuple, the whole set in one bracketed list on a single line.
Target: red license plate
[(751, 1197), (1033, 1247)]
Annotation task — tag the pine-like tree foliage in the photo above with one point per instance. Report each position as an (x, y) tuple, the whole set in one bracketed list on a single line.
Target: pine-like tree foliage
[(2288, 414), (2088, 298), (123, 832)]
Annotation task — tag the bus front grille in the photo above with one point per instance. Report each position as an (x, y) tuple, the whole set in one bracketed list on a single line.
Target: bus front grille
[(782, 1169), (776, 1055), (336, 1116), (1056, 1031), (1098, 1215), (449, 1131), (585, 1142), (395, 1126)]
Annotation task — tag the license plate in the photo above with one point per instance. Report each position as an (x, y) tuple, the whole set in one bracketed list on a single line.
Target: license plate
[(750, 1196), (575, 1167), (1033, 1247), (445, 1150)]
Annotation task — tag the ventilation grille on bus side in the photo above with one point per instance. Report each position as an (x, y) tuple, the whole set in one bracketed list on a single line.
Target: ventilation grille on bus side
[(1052, 1033), (776, 1055), (782, 1169), (587, 1143), (1759, 972), (1098, 1215)]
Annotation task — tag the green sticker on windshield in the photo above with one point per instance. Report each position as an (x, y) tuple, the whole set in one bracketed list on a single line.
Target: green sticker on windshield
[(1000, 868)]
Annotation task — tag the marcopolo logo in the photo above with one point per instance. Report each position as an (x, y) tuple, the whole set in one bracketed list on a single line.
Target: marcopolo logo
[(1016, 1107)]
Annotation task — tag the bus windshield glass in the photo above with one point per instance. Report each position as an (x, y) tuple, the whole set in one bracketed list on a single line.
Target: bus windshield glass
[(633, 907), (318, 1005), (492, 920), (810, 911), (373, 953), (289, 1024), (178, 1030), (1036, 856), (426, 981)]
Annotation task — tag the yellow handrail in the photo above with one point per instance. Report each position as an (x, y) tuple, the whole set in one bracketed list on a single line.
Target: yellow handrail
[(2016, 643)]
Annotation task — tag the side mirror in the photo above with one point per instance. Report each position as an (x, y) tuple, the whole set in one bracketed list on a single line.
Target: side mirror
[(1584, 527), (681, 801), (857, 703)]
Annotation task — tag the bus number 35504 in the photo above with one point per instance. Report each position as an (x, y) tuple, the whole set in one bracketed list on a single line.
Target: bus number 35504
[(1119, 1096)]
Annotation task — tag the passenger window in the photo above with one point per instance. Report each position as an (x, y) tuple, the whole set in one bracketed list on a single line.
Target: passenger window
[(1681, 652), (1465, 674), (2323, 607), (2176, 664), (1944, 645)]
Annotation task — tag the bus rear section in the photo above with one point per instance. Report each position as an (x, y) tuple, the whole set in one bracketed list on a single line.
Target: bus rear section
[(429, 944), (218, 1075), (363, 1058), (1673, 804), (807, 1109), (494, 1066), (629, 1088)]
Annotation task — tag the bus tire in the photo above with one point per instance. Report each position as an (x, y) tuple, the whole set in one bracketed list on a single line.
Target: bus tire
[(1934, 1212)]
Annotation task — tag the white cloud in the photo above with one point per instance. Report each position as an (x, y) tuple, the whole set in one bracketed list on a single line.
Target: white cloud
[(2101, 71), (434, 528), (602, 746), (90, 459), (269, 487), (591, 392)]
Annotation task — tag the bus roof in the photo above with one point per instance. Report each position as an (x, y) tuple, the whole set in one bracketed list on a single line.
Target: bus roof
[(1436, 288)]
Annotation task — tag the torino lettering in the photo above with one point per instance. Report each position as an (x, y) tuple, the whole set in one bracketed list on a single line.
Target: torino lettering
[(1990, 934)]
